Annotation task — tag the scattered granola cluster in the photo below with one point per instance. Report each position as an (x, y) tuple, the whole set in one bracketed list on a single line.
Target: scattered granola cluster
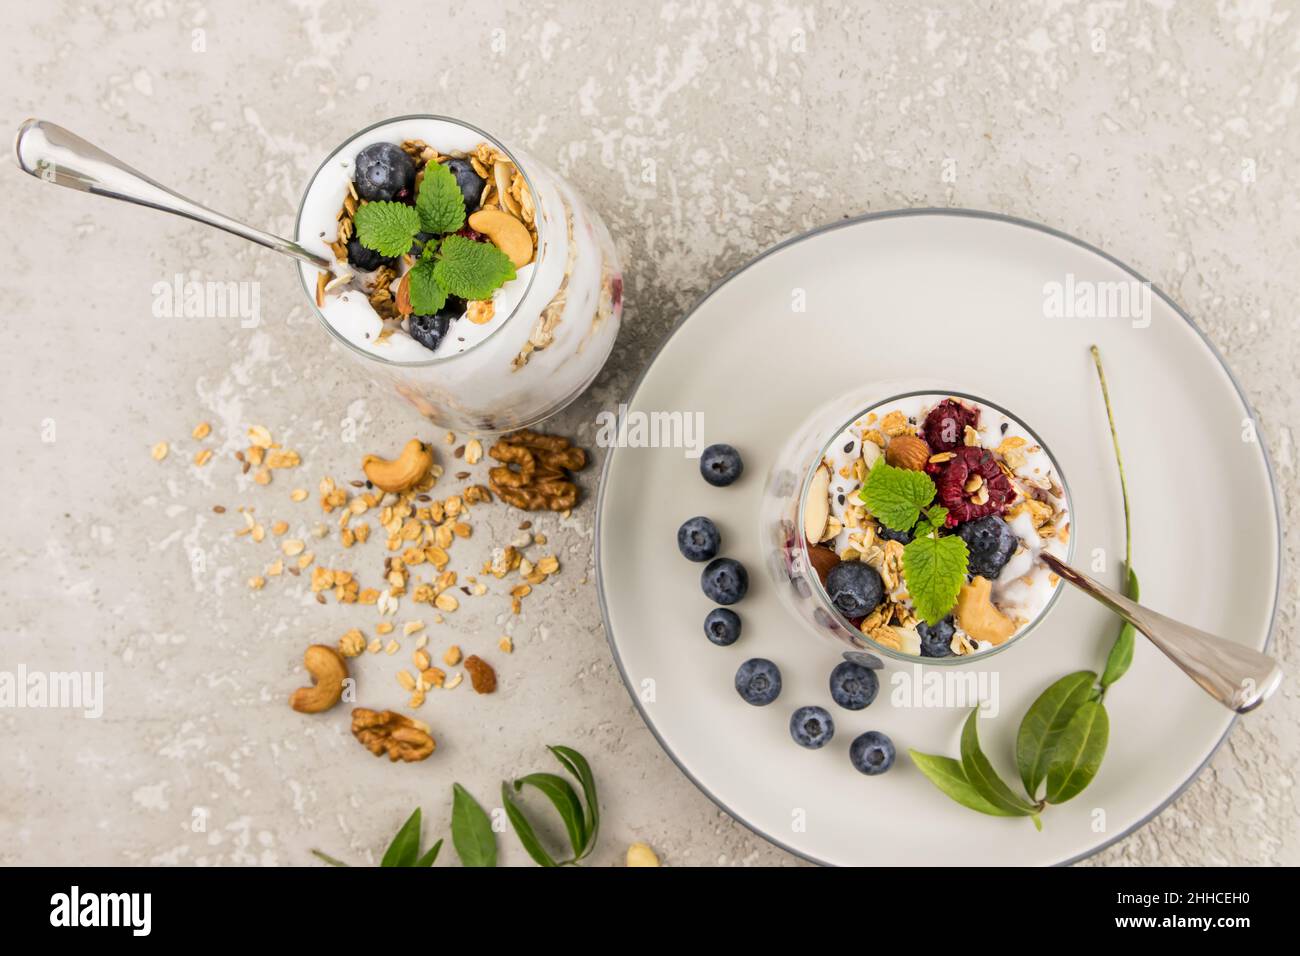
[(992, 486), (419, 532)]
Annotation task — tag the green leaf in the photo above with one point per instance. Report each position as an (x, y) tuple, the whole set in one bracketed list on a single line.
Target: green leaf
[(387, 227), (1121, 652), (471, 830), (1078, 753), (982, 776), (406, 844), (428, 858), (896, 496), (524, 830), (935, 570), (439, 201), (577, 766), (947, 774), (564, 799), (1043, 724), (471, 270), (427, 296)]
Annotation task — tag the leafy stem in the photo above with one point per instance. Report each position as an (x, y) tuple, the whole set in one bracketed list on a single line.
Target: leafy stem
[(1063, 736)]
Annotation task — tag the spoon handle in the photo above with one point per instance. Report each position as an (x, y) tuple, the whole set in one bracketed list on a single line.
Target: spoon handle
[(56, 155), (1238, 677)]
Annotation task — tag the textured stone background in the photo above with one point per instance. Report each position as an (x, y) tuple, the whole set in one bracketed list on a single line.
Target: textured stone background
[(1163, 132)]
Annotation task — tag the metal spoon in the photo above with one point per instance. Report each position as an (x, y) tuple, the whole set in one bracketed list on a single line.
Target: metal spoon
[(1237, 677), (54, 154)]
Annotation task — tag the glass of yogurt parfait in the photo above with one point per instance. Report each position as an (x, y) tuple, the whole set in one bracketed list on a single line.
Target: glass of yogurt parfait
[(486, 321), (911, 524)]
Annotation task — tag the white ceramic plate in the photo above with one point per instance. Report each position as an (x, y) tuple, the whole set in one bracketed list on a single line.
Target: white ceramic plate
[(958, 296)]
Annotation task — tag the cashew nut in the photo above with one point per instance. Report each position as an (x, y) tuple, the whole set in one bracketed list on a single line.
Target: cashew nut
[(329, 670), (506, 232), (400, 473), (977, 615), (640, 854)]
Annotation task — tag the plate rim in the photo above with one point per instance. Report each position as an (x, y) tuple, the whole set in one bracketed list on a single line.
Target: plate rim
[(961, 213)]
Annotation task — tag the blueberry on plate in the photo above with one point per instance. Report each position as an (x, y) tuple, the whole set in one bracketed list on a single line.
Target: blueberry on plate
[(936, 639), (991, 543), (698, 539), (758, 681), (429, 330), (722, 626), (367, 260), (383, 172), (721, 465), (853, 686), (863, 659), (812, 727), (471, 183), (724, 580), (872, 753), (855, 588)]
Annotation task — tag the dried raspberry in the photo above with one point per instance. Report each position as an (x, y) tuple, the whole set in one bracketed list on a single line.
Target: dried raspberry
[(945, 426), (952, 485), (471, 234)]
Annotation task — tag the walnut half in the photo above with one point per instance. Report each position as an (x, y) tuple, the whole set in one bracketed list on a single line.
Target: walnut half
[(392, 733)]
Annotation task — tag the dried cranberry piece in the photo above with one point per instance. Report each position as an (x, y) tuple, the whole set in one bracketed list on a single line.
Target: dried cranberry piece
[(945, 426), (952, 485), (471, 234)]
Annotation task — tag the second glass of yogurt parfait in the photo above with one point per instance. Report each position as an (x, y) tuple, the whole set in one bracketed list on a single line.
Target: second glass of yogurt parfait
[(845, 571), (487, 365)]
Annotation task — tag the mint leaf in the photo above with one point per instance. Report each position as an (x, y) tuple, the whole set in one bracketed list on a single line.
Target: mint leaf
[(471, 270), (427, 296), (387, 227), (439, 202), (935, 569), (895, 496)]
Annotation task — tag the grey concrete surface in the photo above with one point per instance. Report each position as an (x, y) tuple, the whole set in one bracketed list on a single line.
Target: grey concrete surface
[(1164, 133)]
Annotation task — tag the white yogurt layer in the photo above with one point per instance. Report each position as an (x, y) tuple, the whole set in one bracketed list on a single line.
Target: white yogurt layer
[(1025, 586)]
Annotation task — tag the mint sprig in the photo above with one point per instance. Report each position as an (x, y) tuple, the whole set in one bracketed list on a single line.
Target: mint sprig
[(934, 567), (451, 266)]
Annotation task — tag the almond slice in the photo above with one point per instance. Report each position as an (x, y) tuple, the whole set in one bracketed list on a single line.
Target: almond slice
[(817, 508)]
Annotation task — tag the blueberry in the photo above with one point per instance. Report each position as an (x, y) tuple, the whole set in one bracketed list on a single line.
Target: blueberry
[(722, 626), (383, 172), (936, 639), (855, 588), (853, 686), (698, 539), (991, 542), (721, 465), (812, 727), (758, 681), (869, 661), (889, 534), (471, 183), (367, 260), (724, 580), (429, 330), (872, 753)]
